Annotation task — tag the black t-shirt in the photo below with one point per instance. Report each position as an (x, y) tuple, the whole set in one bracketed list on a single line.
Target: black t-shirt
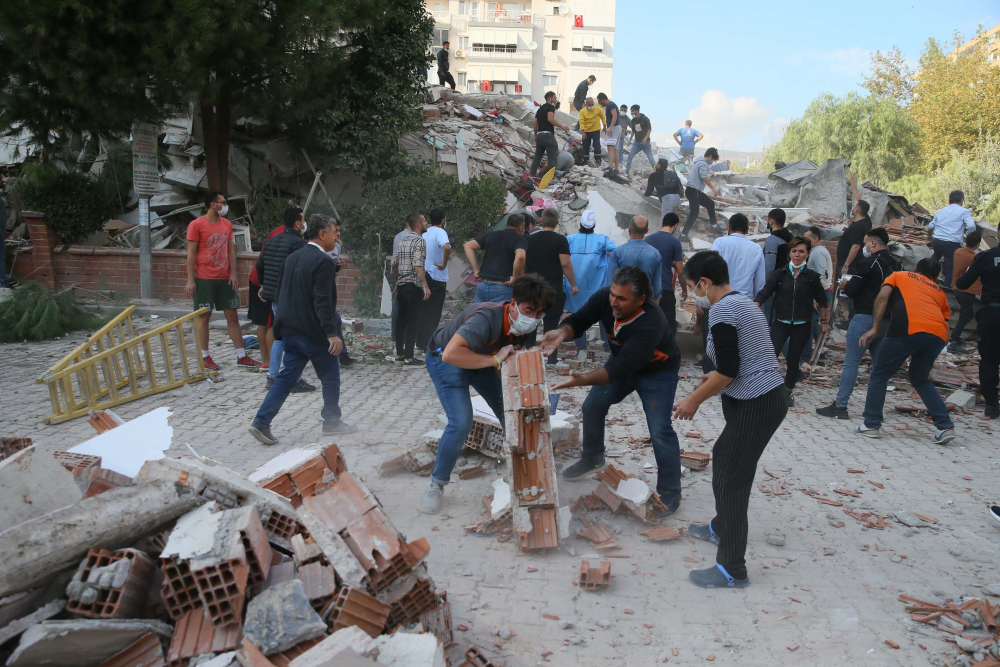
[(499, 248), (853, 235), (542, 116), (609, 110), (640, 125), (544, 249)]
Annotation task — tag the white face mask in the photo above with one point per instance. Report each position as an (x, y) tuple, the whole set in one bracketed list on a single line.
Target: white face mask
[(524, 324), (224, 210), (866, 252), (795, 267), (702, 301)]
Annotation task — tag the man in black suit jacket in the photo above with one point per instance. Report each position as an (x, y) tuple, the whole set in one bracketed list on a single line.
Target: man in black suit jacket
[(306, 320)]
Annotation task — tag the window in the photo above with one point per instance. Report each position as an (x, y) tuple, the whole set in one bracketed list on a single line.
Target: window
[(461, 79), (440, 10), (470, 9), (440, 37), (493, 48), (555, 44), (463, 43), (555, 10), (550, 80)]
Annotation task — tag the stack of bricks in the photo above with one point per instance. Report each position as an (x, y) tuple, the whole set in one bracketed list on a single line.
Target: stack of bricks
[(354, 607), (486, 437), (531, 471), (10, 446), (110, 584)]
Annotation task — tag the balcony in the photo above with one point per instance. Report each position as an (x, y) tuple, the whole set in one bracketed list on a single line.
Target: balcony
[(503, 16), (480, 53)]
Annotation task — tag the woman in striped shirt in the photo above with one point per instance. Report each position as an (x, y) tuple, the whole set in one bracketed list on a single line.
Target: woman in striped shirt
[(754, 403)]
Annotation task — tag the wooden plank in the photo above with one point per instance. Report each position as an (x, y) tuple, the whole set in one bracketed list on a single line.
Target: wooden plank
[(149, 362), (183, 345), (75, 355), (166, 357)]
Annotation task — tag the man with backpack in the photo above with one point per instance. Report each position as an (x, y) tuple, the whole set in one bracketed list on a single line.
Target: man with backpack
[(665, 185)]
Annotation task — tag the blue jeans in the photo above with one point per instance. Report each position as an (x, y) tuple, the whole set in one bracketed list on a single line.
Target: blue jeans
[(299, 350), (581, 342), (853, 353), (452, 385), (656, 391), (277, 350), (490, 292), (921, 349), (646, 148)]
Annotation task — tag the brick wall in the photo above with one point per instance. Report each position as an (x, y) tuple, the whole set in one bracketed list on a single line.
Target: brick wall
[(57, 265)]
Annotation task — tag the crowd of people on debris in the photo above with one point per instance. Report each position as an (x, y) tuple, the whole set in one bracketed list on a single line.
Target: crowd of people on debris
[(757, 303)]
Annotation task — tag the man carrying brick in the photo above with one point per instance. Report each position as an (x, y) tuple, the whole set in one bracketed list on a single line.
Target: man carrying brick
[(212, 276), (467, 352), (644, 359)]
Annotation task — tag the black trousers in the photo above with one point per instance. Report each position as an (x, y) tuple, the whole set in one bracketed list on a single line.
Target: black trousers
[(749, 426), (595, 139), (668, 304), (411, 306), (797, 335), (968, 307), (431, 313), (988, 339), (545, 144), (945, 250), (697, 198), (551, 320), (446, 77)]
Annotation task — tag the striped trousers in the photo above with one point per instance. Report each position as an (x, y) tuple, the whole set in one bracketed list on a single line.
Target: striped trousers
[(750, 423)]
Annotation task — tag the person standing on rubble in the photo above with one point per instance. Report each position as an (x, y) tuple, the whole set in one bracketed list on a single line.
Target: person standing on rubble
[(548, 257), (636, 252), (870, 272), (672, 256), (411, 287), (644, 359), (851, 243), (613, 129), (966, 297), (306, 323), (686, 138), (444, 75), (948, 229), (665, 184), (504, 254), (754, 405), (591, 121), (467, 353), (698, 180), (580, 96), (212, 276), (641, 129), (624, 121), (436, 271), (589, 253), (985, 268), (545, 133), (918, 332)]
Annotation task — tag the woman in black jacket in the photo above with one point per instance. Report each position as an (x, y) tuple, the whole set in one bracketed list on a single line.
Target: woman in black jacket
[(795, 289)]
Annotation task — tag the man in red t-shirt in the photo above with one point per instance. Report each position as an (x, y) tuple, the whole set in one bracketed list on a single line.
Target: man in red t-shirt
[(212, 277)]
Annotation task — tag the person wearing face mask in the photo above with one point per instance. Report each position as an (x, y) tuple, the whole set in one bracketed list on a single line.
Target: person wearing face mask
[(467, 352), (869, 272), (754, 404), (212, 276), (794, 288), (644, 359), (592, 120), (698, 180)]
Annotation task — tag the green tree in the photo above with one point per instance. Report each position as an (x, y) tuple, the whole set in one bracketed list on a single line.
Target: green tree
[(879, 137), (890, 77), (956, 98)]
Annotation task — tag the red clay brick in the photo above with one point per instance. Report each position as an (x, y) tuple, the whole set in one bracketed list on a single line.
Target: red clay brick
[(146, 652), (195, 635), (354, 607)]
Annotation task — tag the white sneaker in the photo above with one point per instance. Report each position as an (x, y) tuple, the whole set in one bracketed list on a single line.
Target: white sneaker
[(432, 500), (944, 437), (995, 512), (867, 432)]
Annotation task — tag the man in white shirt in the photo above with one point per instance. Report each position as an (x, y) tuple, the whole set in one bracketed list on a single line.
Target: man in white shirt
[(821, 262), (436, 270), (948, 228)]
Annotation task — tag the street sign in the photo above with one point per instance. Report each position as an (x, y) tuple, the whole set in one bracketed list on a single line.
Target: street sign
[(145, 175)]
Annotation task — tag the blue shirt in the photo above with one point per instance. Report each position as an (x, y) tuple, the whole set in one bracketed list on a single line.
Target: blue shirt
[(589, 255), (746, 263), (952, 223), (688, 135), (701, 170), (670, 251), (638, 253)]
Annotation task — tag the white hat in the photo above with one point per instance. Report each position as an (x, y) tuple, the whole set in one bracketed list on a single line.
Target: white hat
[(588, 220)]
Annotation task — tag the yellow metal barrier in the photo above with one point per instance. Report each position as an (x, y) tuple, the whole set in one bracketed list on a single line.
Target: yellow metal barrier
[(115, 366)]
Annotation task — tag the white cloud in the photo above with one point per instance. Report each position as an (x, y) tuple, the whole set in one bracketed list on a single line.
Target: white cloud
[(853, 60), (726, 122)]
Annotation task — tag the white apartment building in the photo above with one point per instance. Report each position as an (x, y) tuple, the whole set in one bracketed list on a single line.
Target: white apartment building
[(526, 48)]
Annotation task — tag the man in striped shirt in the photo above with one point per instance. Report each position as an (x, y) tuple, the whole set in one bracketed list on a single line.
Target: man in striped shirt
[(411, 287)]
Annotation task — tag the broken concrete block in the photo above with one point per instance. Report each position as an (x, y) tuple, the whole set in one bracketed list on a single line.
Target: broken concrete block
[(33, 483), (36, 550), (962, 399), (110, 584), (335, 550), (344, 648), (281, 617), (16, 627), (81, 643), (409, 650), (432, 438)]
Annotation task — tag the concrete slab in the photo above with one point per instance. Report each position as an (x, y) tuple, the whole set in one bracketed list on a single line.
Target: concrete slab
[(81, 643), (33, 483)]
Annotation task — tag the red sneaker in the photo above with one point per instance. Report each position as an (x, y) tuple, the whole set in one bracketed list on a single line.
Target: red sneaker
[(209, 364), (247, 362)]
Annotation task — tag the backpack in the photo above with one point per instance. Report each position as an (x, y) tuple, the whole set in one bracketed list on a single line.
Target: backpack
[(672, 182)]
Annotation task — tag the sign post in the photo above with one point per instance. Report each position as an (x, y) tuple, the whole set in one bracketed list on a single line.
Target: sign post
[(146, 183)]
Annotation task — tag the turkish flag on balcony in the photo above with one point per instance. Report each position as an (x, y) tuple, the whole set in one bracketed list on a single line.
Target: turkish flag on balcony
[(578, 20)]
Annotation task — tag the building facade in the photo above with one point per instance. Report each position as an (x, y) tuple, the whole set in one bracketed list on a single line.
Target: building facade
[(525, 49), (989, 41)]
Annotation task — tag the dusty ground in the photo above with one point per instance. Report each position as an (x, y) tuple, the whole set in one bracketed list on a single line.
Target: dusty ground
[(831, 590)]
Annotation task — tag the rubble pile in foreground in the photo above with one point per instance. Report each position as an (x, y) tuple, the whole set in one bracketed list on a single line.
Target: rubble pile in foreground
[(190, 563)]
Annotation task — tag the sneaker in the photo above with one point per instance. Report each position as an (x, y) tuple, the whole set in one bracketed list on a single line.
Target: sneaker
[(953, 348), (833, 410), (337, 427), (247, 361), (791, 398), (581, 469), (944, 437), (716, 577), (302, 387), (703, 532), (264, 368), (209, 364), (433, 497), (992, 411), (348, 362), (673, 503), (684, 238), (867, 432), (995, 512), (262, 433), (267, 385), (413, 362)]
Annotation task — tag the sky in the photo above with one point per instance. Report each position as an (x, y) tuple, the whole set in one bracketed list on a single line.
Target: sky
[(742, 70)]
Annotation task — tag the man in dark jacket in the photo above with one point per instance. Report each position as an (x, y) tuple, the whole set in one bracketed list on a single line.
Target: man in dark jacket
[(775, 250), (644, 359), (580, 96), (306, 322), (664, 184), (868, 274), (986, 268), (444, 76), (272, 257)]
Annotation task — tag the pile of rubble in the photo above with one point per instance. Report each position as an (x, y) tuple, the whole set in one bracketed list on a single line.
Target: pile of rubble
[(970, 622), (190, 563)]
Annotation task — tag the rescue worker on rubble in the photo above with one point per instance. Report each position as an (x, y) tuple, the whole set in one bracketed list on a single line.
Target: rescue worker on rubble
[(467, 352)]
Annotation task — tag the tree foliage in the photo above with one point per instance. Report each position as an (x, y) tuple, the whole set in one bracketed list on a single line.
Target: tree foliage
[(956, 98), (33, 313), (890, 77), (75, 204), (879, 137)]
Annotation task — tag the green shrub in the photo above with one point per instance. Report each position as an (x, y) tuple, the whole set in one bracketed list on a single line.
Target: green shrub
[(75, 204), (33, 313)]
